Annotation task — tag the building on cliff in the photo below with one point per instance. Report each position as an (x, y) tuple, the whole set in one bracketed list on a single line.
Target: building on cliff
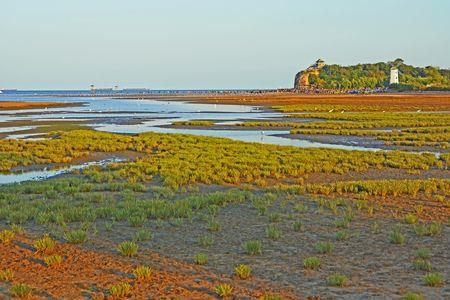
[(302, 78)]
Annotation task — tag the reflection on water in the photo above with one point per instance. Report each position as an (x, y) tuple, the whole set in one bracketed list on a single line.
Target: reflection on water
[(45, 174), (135, 116)]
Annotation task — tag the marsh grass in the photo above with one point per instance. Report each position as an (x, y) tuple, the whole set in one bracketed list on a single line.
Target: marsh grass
[(433, 279), (412, 296), (20, 290), (205, 241), (201, 259), (397, 237), (298, 226), (253, 247), (270, 297), (53, 260), (6, 236), (120, 290), (273, 232), (143, 235), (431, 229), (422, 265), (78, 236), (128, 248), (224, 290), (311, 262), (411, 218), (423, 253), (142, 273), (324, 247), (6, 275), (341, 235), (213, 225), (243, 271), (45, 244), (338, 280)]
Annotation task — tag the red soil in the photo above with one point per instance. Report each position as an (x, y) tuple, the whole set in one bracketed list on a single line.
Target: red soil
[(88, 274)]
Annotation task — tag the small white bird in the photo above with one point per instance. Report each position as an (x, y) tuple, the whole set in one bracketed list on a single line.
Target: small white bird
[(331, 110)]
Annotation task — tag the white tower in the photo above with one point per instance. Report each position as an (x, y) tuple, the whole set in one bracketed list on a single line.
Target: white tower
[(394, 76)]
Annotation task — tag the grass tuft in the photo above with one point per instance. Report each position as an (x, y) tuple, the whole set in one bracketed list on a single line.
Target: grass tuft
[(253, 247), (128, 248), (224, 290), (20, 290), (338, 280), (243, 271), (311, 263)]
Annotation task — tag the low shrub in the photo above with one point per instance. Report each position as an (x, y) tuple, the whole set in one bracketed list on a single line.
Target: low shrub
[(412, 296), (298, 226)]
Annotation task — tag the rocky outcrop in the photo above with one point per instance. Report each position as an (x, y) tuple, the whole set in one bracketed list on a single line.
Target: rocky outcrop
[(302, 77)]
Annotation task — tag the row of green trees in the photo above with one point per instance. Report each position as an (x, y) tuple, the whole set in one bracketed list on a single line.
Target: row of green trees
[(376, 75)]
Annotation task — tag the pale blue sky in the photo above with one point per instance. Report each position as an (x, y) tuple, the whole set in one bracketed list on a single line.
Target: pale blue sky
[(194, 44)]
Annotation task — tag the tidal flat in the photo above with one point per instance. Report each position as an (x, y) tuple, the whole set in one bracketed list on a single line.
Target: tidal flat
[(232, 209)]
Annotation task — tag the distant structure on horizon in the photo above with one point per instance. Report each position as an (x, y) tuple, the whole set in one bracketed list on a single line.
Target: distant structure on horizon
[(302, 77), (393, 79)]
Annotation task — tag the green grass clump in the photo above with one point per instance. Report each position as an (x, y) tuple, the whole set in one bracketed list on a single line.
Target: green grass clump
[(422, 265), (341, 235), (78, 236), (337, 279), (273, 233), (397, 237), (120, 290), (142, 273), (206, 241), (270, 297), (6, 275), (45, 244), (213, 225), (253, 247), (411, 218), (412, 296), (298, 226), (224, 290), (20, 290), (143, 235), (423, 253), (243, 271), (433, 279), (128, 248), (311, 262), (324, 247), (6, 236), (431, 229), (53, 260), (201, 259), (137, 220)]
